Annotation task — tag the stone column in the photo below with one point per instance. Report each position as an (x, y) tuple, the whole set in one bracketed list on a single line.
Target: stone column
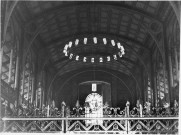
[(1, 57), (17, 72), (36, 98), (152, 80), (43, 97), (23, 81), (28, 92), (170, 69), (32, 88), (176, 62), (155, 94), (40, 97), (19, 59), (10, 66)]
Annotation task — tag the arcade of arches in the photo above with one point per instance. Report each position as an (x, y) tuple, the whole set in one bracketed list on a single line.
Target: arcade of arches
[(54, 54)]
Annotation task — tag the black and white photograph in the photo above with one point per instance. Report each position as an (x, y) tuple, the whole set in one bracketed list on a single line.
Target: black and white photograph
[(90, 67)]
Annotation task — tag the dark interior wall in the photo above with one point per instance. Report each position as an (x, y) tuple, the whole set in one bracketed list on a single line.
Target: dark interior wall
[(66, 87)]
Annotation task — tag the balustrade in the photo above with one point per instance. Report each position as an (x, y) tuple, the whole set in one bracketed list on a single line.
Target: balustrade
[(50, 119)]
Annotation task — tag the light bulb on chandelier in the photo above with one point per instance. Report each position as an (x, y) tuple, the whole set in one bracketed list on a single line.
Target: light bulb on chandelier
[(72, 50)]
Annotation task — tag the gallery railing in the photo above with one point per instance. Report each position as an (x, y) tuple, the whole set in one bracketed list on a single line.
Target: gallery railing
[(33, 124), (166, 125), (114, 120), (144, 125)]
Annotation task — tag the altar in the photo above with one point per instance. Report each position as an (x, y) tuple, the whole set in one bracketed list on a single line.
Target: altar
[(94, 108)]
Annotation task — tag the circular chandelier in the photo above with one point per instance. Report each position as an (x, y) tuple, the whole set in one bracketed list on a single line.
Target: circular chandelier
[(92, 51)]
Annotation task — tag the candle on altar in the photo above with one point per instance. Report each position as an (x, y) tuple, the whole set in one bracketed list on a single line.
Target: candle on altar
[(48, 111)]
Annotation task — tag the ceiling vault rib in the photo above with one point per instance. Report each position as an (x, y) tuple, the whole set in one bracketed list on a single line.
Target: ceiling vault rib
[(139, 26)]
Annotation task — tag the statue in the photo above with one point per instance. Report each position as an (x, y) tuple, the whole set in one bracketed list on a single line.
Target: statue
[(147, 107), (87, 112), (127, 109), (24, 110), (167, 107), (51, 109), (127, 126), (43, 110), (175, 104), (67, 110), (87, 108), (13, 109), (36, 110), (53, 104), (106, 108), (63, 108), (139, 108), (137, 103), (106, 105), (176, 109)]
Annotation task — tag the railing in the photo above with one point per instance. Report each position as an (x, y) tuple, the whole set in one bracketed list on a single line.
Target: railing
[(33, 124), (160, 120), (124, 125), (128, 125)]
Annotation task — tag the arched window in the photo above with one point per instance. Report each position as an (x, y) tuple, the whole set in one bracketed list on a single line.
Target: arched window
[(26, 85), (162, 85), (150, 91)]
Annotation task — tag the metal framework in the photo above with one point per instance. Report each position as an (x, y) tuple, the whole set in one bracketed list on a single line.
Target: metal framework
[(146, 121)]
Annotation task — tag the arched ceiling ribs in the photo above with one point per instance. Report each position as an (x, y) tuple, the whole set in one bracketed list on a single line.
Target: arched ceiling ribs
[(100, 70), (129, 89), (129, 70), (38, 31), (159, 42), (82, 66), (69, 68), (113, 5), (132, 75), (8, 14), (44, 24), (102, 34), (176, 8), (57, 74)]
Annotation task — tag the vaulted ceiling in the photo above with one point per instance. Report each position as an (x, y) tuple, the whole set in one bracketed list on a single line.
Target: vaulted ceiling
[(55, 23)]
